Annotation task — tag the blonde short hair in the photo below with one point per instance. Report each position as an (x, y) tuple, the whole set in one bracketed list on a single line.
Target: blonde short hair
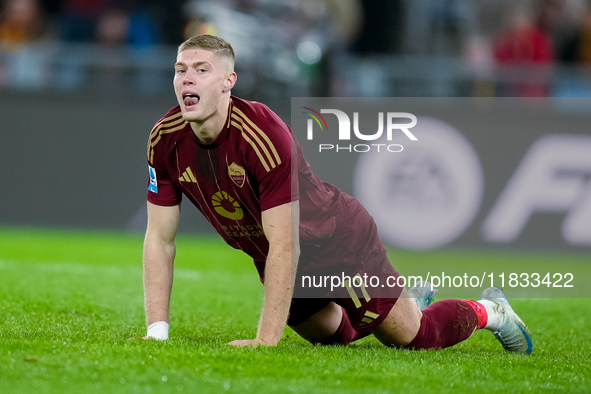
[(211, 43)]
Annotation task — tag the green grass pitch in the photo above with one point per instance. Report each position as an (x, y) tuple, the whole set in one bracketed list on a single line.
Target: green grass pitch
[(71, 301)]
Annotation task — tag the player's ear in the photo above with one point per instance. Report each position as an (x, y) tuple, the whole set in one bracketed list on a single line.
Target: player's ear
[(230, 81)]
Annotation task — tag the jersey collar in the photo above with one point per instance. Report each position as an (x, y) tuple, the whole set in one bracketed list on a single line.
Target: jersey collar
[(223, 136)]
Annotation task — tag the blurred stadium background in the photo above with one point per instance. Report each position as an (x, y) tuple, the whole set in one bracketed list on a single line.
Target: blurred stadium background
[(83, 82)]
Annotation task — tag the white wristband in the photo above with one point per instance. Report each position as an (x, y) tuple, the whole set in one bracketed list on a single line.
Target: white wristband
[(158, 330)]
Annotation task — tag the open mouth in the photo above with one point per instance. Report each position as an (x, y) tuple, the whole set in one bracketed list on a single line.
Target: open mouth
[(190, 99)]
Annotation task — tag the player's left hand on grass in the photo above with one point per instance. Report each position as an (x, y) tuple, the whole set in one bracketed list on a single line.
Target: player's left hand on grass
[(249, 342)]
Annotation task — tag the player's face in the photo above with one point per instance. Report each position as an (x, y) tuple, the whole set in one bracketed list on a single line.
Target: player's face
[(201, 80)]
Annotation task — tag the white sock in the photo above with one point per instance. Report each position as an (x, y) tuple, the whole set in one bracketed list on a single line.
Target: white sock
[(495, 318)]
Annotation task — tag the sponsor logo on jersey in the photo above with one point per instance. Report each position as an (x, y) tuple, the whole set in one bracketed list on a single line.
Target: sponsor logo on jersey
[(153, 187), (188, 176), (237, 174), (226, 206), (240, 230)]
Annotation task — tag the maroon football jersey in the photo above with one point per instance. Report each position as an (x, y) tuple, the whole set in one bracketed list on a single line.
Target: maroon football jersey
[(254, 164)]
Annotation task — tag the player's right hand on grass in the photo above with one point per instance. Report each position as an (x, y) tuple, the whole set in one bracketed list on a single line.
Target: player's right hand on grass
[(157, 330)]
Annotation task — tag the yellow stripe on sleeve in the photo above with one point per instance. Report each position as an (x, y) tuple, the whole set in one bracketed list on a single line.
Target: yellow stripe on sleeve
[(253, 144), (261, 133)]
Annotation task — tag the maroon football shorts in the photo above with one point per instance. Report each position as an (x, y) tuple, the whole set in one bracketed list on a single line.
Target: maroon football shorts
[(350, 268)]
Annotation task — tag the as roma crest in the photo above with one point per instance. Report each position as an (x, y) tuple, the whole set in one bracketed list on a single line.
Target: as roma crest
[(237, 174)]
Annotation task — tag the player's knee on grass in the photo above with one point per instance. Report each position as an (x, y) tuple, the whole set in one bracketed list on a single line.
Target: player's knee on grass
[(329, 326), (322, 325), (345, 333)]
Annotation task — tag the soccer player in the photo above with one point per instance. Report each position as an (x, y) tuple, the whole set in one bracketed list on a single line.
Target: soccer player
[(242, 167)]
